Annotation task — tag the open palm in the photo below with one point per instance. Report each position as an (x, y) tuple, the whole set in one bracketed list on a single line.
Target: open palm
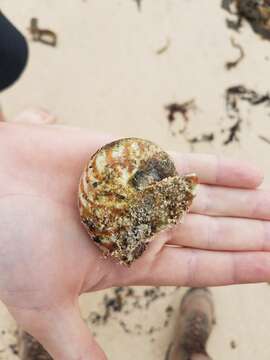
[(47, 260)]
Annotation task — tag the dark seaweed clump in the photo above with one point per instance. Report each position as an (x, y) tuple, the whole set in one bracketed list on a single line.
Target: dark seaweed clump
[(44, 36), (255, 12), (234, 63), (120, 302), (231, 129), (235, 95), (139, 4)]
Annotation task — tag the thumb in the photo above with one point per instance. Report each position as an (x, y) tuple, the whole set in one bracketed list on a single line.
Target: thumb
[(36, 116), (62, 332)]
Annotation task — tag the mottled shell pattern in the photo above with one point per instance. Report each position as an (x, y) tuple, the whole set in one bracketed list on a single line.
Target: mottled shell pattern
[(128, 192)]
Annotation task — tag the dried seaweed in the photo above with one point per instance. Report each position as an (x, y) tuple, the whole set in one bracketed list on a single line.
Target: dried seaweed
[(256, 12), (164, 48), (232, 64), (31, 349), (226, 5), (240, 92), (182, 109), (234, 95), (45, 36), (265, 139), (232, 24), (139, 4), (234, 131), (232, 108), (14, 348), (203, 138), (120, 302)]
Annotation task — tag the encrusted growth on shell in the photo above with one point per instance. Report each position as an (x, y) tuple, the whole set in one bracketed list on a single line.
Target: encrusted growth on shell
[(128, 192)]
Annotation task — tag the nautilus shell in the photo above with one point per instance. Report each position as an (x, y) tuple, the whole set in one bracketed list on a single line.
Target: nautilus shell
[(129, 191)]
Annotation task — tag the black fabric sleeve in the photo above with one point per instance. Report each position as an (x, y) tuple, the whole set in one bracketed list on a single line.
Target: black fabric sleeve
[(13, 53)]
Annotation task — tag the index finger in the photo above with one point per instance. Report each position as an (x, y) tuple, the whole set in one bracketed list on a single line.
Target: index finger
[(218, 170)]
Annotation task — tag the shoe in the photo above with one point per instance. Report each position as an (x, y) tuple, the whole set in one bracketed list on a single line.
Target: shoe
[(194, 325)]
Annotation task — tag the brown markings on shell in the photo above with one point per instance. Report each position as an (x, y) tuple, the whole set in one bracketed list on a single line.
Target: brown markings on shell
[(94, 167), (126, 158)]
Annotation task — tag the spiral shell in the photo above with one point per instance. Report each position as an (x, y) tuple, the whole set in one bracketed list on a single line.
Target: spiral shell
[(129, 191)]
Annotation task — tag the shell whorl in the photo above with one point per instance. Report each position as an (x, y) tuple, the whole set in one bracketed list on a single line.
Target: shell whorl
[(128, 191)]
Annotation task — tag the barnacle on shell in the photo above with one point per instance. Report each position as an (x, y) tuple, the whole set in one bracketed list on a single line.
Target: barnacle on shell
[(129, 191)]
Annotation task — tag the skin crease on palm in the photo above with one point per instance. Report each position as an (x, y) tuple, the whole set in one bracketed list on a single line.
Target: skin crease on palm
[(47, 260)]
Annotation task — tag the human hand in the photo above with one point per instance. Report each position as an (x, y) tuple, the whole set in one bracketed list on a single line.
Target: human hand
[(47, 259)]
